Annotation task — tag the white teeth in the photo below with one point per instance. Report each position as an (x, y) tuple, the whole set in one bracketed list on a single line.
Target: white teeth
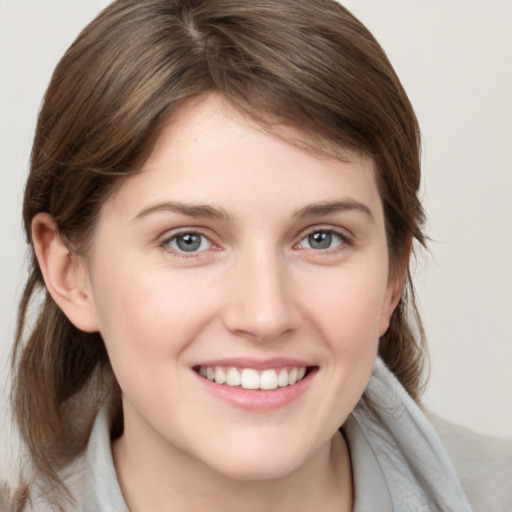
[(292, 377), (233, 377), (282, 379), (249, 378), (268, 379), (220, 375)]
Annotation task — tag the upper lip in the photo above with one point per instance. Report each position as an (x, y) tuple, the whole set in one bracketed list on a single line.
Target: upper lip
[(257, 364)]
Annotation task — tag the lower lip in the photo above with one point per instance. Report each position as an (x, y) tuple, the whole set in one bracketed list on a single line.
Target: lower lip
[(258, 400)]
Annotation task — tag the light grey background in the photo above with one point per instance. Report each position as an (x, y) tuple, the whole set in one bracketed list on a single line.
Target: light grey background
[(455, 61)]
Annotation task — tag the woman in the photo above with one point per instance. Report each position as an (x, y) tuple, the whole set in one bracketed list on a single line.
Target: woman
[(221, 205)]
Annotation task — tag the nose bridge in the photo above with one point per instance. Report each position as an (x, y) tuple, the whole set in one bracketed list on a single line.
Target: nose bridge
[(262, 304)]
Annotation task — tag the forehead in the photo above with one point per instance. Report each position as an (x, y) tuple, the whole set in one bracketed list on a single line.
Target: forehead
[(209, 153)]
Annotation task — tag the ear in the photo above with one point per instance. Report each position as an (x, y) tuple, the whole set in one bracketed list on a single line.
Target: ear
[(395, 287), (64, 274)]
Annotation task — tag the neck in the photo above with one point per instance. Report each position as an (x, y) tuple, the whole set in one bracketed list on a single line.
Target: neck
[(170, 480)]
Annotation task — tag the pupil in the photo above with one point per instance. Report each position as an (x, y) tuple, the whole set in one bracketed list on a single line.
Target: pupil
[(189, 242), (320, 240)]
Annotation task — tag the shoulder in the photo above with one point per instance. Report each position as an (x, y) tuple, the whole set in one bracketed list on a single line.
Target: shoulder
[(483, 464)]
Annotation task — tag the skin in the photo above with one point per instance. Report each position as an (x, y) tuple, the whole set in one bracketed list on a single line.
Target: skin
[(257, 288)]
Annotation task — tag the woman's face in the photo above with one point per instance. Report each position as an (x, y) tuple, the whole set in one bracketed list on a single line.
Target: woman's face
[(236, 256)]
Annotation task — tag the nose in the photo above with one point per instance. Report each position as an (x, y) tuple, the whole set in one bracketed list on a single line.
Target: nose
[(261, 305)]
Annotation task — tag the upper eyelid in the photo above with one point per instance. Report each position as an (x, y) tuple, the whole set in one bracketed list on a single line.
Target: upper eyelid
[(342, 232), (173, 233)]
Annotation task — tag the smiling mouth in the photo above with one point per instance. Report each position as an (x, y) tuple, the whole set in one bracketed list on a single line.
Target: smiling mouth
[(252, 379)]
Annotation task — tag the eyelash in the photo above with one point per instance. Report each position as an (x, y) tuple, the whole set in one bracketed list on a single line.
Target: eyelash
[(165, 244), (345, 241)]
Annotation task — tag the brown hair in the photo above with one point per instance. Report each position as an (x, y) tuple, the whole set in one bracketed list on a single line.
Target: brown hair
[(307, 64)]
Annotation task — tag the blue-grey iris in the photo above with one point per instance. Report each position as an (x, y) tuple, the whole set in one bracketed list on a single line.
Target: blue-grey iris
[(189, 242), (320, 240)]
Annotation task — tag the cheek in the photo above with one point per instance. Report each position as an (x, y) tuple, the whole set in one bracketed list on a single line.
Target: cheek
[(148, 316), (349, 309), (345, 314)]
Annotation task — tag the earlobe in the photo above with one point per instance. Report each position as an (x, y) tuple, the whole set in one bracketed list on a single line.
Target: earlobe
[(65, 277)]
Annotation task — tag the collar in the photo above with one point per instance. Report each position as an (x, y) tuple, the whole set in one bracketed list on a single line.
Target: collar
[(417, 469), (102, 492), (370, 487)]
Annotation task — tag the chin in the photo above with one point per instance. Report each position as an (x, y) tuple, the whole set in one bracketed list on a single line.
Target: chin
[(256, 462), (249, 470)]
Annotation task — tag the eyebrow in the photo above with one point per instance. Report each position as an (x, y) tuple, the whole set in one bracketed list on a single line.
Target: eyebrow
[(204, 211), (333, 207), (201, 211)]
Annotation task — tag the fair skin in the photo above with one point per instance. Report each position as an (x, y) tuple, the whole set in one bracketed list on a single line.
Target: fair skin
[(233, 252)]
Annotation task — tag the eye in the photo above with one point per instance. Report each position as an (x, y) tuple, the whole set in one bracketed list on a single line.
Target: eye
[(188, 242), (321, 240)]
